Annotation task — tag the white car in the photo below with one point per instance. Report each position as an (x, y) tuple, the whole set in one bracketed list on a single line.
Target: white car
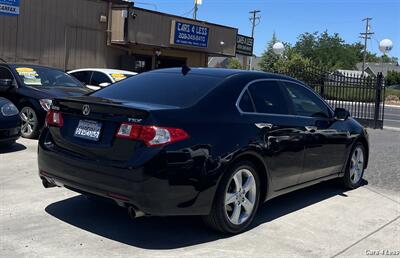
[(97, 78)]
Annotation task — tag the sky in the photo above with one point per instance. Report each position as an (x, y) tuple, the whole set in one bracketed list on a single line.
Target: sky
[(289, 18)]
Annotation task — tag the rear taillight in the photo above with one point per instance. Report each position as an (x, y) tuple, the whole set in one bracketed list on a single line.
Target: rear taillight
[(54, 118), (151, 135)]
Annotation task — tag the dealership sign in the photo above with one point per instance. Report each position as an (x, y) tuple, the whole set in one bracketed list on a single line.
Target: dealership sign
[(244, 45), (186, 34), (9, 7)]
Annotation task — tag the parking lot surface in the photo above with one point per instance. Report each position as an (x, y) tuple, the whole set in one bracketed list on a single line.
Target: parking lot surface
[(323, 220)]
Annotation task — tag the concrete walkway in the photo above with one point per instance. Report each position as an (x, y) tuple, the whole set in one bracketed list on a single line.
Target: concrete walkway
[(321, 221)]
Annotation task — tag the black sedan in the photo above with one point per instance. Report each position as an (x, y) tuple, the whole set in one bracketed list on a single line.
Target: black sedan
[(31, 88), (10, 123), (208, 142)]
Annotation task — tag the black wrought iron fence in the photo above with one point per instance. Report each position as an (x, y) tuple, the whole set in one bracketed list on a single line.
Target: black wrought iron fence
[(362, 95)]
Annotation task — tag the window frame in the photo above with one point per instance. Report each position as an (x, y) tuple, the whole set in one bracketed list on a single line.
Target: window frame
[(280, 81), (251, 100)]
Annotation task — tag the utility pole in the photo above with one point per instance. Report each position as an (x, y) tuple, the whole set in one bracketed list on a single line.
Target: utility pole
[(254, 18), (366, 35)]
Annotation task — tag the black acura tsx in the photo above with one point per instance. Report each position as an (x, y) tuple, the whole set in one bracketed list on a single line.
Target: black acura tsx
[(209, 142)]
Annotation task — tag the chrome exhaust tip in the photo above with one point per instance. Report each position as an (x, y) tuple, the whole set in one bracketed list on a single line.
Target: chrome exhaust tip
[(134, 212), (47, 184)]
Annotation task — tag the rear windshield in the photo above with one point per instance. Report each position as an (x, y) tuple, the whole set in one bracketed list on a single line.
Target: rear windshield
[(161, 88)]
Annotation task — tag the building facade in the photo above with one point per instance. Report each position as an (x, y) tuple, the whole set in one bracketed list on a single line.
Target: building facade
[(71, 34)]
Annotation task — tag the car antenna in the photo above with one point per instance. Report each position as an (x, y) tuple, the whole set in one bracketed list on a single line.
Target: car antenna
[(185, 69), (4, 61)]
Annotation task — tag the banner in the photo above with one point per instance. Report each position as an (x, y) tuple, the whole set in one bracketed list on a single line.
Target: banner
[(187, 34), (244, 45), (9, 7)]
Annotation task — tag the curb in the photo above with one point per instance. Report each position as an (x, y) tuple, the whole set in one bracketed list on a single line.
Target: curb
[(393, 106), (397, 129)]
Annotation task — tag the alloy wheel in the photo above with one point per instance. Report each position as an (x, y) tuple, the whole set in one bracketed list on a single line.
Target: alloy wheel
[(240, 196), (29, 121), (356, 165)]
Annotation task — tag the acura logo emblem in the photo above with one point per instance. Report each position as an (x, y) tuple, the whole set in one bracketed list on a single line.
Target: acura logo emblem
[(86, 110)]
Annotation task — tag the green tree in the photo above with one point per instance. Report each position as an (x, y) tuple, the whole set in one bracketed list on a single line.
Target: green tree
[(306, 45), (328, 51), (392, 78), (234, 63), (373, 58), (324, 50), (268, 58), (293, 61)]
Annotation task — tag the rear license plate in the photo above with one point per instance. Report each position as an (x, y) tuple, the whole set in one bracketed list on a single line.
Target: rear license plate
[(89, 130)]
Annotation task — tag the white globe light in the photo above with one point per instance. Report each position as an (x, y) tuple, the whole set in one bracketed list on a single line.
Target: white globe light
[(385, 46), (278, 48)]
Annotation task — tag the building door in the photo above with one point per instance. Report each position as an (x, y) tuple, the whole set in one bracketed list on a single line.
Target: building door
[(168, 62), (136, 63)]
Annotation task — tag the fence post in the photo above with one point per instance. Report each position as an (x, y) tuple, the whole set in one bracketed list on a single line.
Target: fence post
[(378, 99), (322, 83)]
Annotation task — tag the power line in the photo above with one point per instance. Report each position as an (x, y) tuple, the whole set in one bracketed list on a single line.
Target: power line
[(151, 4), (188, 12), (255, 20), (366, 35)]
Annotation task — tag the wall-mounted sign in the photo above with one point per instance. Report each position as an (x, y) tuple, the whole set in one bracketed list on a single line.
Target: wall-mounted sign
[(244, 45), (186, 34), (9, 7)]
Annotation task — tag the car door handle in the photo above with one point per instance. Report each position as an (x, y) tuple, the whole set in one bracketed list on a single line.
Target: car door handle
[(311, 129), (264, 125)]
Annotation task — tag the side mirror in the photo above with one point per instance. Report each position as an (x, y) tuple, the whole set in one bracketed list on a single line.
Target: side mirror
[(341, 114), (6, 83), (104, 84)]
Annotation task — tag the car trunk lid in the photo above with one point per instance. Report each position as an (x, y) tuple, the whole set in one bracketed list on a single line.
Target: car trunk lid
[(101, 118)]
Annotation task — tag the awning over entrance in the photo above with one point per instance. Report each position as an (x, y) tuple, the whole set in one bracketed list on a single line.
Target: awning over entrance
[(141, 27)]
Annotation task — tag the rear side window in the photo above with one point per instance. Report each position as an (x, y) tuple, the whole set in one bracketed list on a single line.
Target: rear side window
[(83, 76), (269, 98), (305, 103), (99, 78), (246, 104), (172, 89)]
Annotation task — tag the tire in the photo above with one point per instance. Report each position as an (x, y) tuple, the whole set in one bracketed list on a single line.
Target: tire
[(30, 123), (224, 216), (354, 173)]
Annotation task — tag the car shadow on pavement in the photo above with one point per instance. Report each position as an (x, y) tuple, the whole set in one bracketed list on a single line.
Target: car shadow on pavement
[(13, 148), (112, 222)]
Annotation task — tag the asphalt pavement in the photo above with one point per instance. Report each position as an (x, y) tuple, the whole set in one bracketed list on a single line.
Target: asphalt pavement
[(320, 221), (392, 117)]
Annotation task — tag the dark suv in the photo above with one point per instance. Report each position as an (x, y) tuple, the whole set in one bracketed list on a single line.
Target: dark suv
[(31, 88)]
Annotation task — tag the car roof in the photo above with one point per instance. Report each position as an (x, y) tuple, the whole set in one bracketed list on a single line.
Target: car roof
[(104, 70), (224, 73), (13, 65)]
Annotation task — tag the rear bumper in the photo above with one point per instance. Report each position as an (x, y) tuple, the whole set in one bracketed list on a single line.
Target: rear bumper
[(10, 134), (161, 192)]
